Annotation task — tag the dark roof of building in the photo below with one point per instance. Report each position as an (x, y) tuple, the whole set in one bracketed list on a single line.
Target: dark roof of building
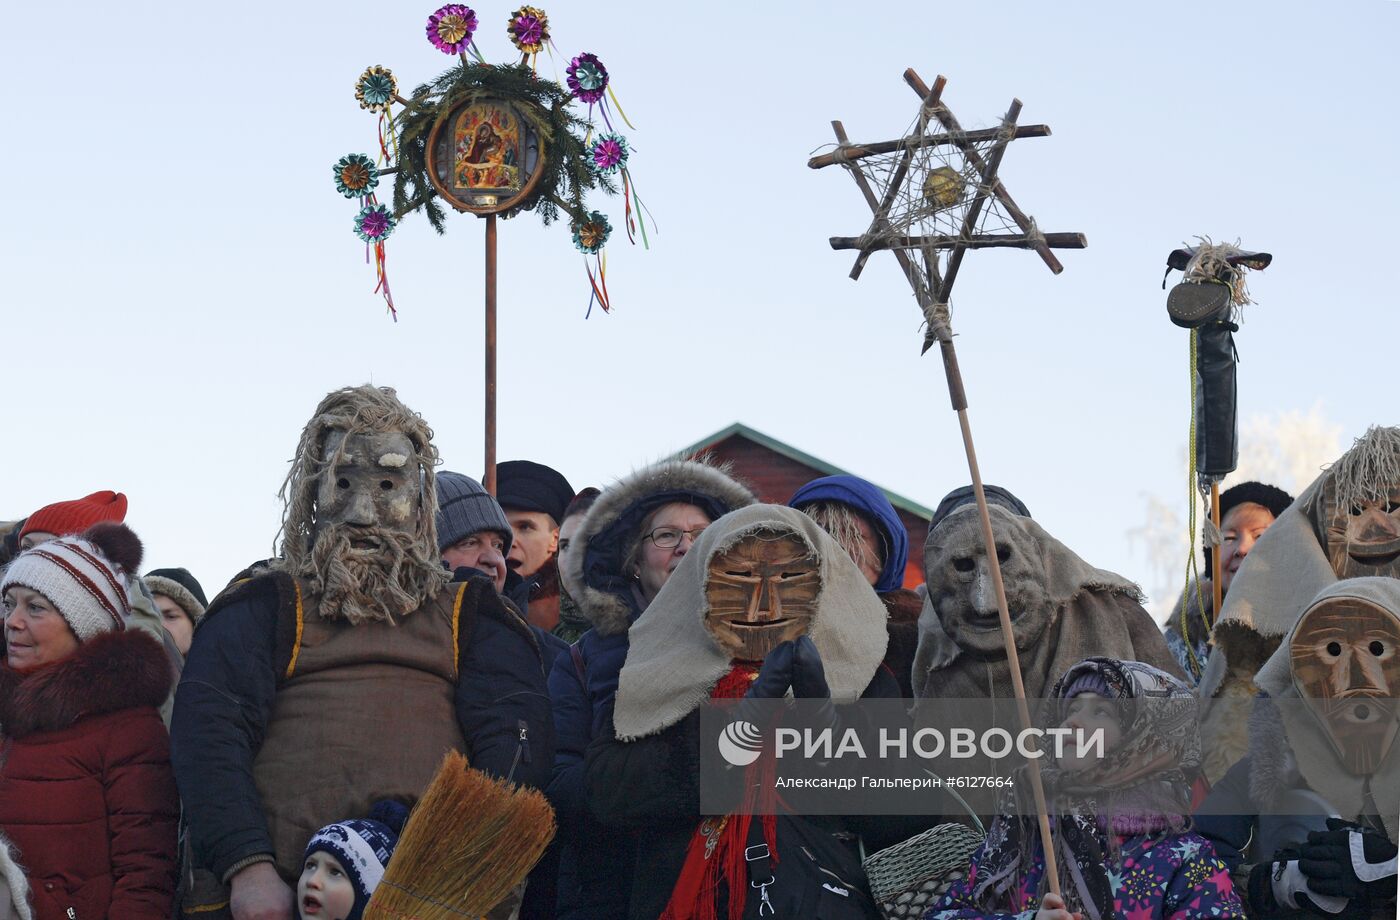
[(739, 429)]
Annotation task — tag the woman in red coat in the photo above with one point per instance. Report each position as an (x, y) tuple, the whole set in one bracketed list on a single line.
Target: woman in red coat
[(87, 796)]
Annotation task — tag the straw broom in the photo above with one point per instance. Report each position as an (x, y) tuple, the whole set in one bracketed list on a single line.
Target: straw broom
[(469, 841)]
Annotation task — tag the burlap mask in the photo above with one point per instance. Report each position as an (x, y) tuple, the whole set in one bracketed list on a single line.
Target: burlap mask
[(960, 582), (1345, 659), (762, 591)]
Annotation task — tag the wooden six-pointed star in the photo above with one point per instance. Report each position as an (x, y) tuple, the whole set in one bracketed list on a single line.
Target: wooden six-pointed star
[(935, 194), (939, 197)]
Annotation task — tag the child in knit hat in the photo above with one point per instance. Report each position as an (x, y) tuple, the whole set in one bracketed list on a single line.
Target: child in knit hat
[(345, 861)]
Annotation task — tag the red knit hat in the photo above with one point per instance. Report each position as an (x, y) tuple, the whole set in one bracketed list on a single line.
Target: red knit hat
[(64, 518)]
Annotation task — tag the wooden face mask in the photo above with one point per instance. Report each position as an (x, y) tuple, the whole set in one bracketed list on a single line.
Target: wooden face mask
[(762, 591), (1345, 658), (1364, 540)]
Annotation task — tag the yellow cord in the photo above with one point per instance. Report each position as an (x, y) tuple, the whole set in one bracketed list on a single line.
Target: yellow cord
[(1196, 666)]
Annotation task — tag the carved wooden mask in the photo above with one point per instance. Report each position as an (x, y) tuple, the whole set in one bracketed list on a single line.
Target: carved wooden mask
[(1346, 661), (762, 591), (1364, 540)]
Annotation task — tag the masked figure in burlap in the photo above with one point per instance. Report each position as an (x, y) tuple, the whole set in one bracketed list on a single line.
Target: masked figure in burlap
[(765, 604), (1345, 525), (1063, 610), (344, 674), (1310, 814)]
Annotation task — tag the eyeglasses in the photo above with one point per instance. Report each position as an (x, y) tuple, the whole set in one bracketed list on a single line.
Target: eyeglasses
[(670, 537)]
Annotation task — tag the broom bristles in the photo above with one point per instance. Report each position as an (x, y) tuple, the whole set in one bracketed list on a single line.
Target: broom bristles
[(469, 841)]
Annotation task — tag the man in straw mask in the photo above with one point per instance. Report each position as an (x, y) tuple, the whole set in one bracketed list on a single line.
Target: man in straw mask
[(342, 675)]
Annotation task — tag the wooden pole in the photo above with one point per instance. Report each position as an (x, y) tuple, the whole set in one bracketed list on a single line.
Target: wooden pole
[(958, 395), (489, 477), (1217, 585), (980, 241), (860, 151)]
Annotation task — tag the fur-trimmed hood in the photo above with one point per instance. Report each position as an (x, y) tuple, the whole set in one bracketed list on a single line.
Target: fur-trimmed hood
[(597, 555), (114, 671)]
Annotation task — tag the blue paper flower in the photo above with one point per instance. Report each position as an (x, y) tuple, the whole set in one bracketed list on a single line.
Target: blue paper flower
[(591, 233), (355, 175)]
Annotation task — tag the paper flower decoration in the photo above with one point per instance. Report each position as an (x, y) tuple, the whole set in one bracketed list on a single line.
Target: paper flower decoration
[(355, 175), (374, 223), (450, 28), (528, 29), (376, 88), (588, 78), (592, 232), (608, 154)]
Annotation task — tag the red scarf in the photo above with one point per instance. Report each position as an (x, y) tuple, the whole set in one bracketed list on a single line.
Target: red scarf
[(715, 859)]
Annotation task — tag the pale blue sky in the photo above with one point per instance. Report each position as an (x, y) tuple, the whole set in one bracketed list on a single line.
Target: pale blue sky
[(182, 284)]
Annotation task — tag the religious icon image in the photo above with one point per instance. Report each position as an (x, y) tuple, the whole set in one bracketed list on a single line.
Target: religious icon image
[(487, 143)]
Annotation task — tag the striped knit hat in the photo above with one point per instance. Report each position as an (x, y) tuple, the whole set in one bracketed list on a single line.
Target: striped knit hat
[(84, 577), (363, 847)]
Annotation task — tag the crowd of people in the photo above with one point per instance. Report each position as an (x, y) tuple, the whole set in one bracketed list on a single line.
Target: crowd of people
[(254, 751)]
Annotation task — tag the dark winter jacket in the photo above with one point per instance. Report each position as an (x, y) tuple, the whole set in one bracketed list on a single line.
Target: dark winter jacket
[(86, 791), (229, 690), (595, 879), (904, 607), (595, 861), (651, 788)]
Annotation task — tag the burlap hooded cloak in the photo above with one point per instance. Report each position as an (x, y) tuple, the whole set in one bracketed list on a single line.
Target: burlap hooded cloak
[(1287, 568), (674, 662), (1315, 759), (1095, 613)]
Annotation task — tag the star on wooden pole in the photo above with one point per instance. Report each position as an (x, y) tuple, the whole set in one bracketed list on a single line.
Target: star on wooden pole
[(935, 194), (940, 197)]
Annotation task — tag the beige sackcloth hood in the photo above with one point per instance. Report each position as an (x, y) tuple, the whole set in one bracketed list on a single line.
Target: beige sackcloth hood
[(673, 662), (1307, 739)]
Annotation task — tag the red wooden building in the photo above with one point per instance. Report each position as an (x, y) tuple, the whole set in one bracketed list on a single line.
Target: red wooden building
[(775, 471)]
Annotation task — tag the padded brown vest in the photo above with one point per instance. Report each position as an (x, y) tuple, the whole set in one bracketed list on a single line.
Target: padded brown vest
[(363, 713)]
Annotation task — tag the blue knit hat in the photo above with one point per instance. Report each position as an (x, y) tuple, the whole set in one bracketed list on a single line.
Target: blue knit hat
[(362, 846)]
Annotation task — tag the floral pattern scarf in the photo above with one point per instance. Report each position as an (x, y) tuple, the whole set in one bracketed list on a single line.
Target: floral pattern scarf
[(1140, 787)]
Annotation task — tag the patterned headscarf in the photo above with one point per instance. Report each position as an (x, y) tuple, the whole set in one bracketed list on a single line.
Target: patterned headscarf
[(1140, 786)]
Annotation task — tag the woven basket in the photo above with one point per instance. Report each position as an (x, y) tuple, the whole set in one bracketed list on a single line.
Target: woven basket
[(910, 877)]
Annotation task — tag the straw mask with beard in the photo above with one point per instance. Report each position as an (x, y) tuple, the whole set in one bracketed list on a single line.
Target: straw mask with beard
[(363, 565)]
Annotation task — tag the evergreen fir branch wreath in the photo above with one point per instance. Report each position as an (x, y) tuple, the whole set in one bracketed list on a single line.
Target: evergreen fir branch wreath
[(493, 140)]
